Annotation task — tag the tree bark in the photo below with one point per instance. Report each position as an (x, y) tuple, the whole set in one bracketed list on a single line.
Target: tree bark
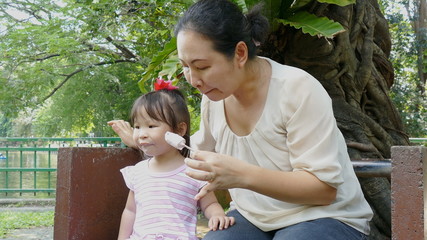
[(354, 68)]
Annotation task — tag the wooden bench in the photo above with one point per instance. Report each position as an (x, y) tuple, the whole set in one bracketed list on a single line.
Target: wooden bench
[(91, 193)]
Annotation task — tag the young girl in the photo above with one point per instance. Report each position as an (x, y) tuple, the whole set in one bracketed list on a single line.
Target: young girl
[(161, 203)]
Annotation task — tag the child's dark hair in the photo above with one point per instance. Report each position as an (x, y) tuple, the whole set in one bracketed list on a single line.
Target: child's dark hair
[(225, 25), (168, 106)]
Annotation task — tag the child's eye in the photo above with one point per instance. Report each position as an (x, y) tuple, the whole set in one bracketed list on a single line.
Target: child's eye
[(136, 127)]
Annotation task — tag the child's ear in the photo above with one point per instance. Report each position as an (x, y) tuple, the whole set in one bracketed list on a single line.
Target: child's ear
[(182, 128)]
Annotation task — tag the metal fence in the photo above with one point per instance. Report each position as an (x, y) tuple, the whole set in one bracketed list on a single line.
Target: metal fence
[(28, 165)]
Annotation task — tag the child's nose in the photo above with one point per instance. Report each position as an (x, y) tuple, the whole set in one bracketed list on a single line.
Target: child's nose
[(141, 133)]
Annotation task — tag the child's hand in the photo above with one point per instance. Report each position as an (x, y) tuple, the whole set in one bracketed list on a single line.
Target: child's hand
[(220, 222)]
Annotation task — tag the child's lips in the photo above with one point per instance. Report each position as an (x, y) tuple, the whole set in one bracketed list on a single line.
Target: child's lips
[(145, 145)]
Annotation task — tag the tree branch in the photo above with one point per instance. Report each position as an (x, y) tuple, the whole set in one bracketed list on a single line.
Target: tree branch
[(127, 53), (47, 57), (81, 70)]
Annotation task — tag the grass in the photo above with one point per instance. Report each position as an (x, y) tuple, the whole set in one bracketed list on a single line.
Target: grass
[(17, 220)]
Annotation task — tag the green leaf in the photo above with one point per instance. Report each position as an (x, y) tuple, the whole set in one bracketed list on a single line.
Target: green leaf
[(341, 3), (170, 67), (242, 5), (313, 25), (157, 61)]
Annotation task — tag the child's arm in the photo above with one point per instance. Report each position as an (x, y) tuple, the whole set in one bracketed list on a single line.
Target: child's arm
[(214, 212), (128, 218)]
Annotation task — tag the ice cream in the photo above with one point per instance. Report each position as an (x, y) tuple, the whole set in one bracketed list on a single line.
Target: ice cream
[(175, 140)]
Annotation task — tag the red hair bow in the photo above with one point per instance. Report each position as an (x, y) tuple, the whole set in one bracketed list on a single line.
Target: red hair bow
[(162, 84)]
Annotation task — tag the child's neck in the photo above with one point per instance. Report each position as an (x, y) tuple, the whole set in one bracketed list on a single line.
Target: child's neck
[(166, 162)]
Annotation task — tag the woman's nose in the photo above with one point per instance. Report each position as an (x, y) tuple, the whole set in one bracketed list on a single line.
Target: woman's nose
[(193, 79)]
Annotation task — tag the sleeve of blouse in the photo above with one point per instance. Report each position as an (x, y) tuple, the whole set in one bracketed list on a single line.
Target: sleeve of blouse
[(203, 139), (313, 137), (127, 173)]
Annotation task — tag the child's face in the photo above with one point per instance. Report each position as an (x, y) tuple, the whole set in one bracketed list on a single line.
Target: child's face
[(149, 134)]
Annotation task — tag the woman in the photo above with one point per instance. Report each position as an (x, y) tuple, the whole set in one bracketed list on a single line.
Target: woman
[(268, 134)]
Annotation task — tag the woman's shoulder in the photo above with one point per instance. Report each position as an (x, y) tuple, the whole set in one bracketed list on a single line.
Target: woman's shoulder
[(292, 88), (287, 72), (285, 78)]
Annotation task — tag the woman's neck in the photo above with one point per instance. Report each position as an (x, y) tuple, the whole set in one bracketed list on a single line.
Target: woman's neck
[(254, 82), (250, 99)]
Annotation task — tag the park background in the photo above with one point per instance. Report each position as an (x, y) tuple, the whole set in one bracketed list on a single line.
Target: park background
[(68, 67)]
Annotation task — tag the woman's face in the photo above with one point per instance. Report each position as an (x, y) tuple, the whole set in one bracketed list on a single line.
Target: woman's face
[(208, 70)]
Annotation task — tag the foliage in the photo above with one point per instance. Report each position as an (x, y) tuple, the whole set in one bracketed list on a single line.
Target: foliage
[(17, 220), (73, 65), (5, 125), (68, 66), (409, 101), (313, 25), (282, 12), (64, 63)]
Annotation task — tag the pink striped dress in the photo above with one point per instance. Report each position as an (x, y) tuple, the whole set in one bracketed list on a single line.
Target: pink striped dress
[(165, 205)]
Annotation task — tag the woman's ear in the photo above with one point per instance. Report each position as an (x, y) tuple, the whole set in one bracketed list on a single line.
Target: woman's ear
[(241, 54), (182, 128)]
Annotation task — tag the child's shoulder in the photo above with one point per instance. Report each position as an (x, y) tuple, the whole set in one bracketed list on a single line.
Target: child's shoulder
[(139, 166), (142, 164)]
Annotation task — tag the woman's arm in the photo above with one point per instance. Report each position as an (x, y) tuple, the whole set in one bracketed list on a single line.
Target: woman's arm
[(215, 213), (295, 187), (128, 218), (225, 172)]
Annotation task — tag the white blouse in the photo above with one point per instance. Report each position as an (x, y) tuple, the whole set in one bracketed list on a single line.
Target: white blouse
[(296, 131)]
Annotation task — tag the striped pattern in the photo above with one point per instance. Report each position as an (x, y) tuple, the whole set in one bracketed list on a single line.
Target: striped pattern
[(165, 205)]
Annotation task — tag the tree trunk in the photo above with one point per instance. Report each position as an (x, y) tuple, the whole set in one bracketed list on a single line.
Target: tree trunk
[(355, 70)]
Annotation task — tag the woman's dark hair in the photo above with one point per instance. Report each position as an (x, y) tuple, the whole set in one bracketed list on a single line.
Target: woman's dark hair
[(167, 106), (225, 25)]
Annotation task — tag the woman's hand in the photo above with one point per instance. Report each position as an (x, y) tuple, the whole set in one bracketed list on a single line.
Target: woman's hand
[(124, 130), (221, 171)]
